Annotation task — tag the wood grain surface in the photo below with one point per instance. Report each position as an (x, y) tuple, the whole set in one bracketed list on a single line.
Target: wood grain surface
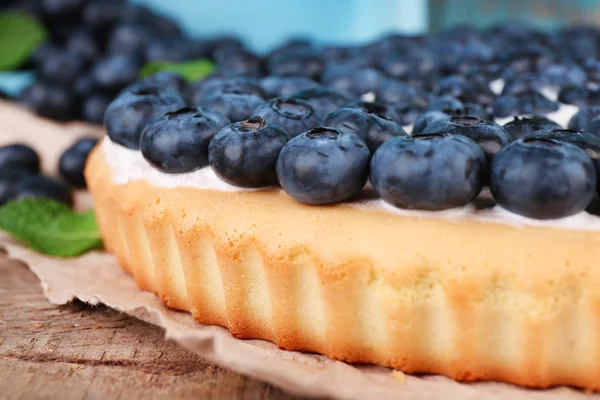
[(82, 352)]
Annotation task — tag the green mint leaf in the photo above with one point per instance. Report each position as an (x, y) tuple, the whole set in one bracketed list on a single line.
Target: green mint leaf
[(20, 36), (50, 227), (190, 70)]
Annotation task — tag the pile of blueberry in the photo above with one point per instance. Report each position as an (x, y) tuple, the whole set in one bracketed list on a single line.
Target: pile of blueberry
[(96, 49), (20, 172)]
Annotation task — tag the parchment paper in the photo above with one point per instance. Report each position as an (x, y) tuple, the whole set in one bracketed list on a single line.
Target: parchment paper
[(96, 278)]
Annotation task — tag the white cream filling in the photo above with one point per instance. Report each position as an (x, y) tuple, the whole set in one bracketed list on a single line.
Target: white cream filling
[(129, 165)]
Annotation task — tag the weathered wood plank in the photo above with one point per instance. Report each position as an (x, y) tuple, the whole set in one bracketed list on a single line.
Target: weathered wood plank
[(82, 352)]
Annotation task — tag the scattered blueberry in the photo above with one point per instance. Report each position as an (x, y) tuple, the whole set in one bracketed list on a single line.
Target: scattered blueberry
[(415, 172), (19, 156), (520, 127), (293, 114), (447, 104), (489, 135), (9, 181), (235, 106), (528, 102), (585, 141), (130, 112), (94, 107), (305, 62), (351, 79), (178, 142), (43, 187), (245, 153), (542, 178), (61, 67), (49, 100), (281, 86), (429, 118), (323, 166), (72, 162), (115, 72), (323, 100), (128, 40), (370, 123), (210, 86), (580, 121)]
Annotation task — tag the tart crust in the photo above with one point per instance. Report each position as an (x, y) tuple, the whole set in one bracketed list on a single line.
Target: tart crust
[(468, 299)]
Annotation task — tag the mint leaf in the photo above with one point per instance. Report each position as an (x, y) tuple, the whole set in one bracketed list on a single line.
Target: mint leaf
[(50, 227), (190, 70), (20, 35)]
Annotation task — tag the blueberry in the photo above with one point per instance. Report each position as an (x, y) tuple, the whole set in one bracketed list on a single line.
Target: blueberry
[(82, 87), (429, 118), (72, 161), (43, 187), (564, 74), (580, 96), (129, 40), (49, 100), (19, 156), (542, 178), (61, 9), (585, 141), (384, 111), (236, 106), (9, 181), (172, 49), (350, 79), (446, 103), (201, 89), (61, 67), (408, 111), (130, 112), (323, 166), (520, 127), (278, 86), (293, 114), (392, 92), (524, 83), (178, 142), (164, 81), (593, 127), (323, 100), (82, 46), (94, 107), (580, 121), (489, 135), (415, 172), (528, 102), (239, 63), (245, 153), (102, 15), (475, 110), (305, 62), (115, 72), (370, 124)]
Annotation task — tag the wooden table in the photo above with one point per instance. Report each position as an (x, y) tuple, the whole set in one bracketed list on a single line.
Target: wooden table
[(82, 352)]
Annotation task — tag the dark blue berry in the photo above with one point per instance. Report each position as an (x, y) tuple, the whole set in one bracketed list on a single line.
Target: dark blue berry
[(350, 79), (115, 72), (489, 135), (174, 49), (210, 86), (129, 40), (72, 162), (281, 86), (19, 156), (102, 15), (129, 113), (585, 141), (94, 107), (542, 178), (83, 47), (49, 100), (238, 63), (323, 166), (62, 67), (323, 100), (447, 104), (306, 62), (391, 91), (235, 106), (529, 102), (381, 110), (520, 127), (415, 172), (245, 153), (293, 114), (371, 124), (580, 121), (9, 182), (178, 142), (429, 118), (165, 81), (43, 187)]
